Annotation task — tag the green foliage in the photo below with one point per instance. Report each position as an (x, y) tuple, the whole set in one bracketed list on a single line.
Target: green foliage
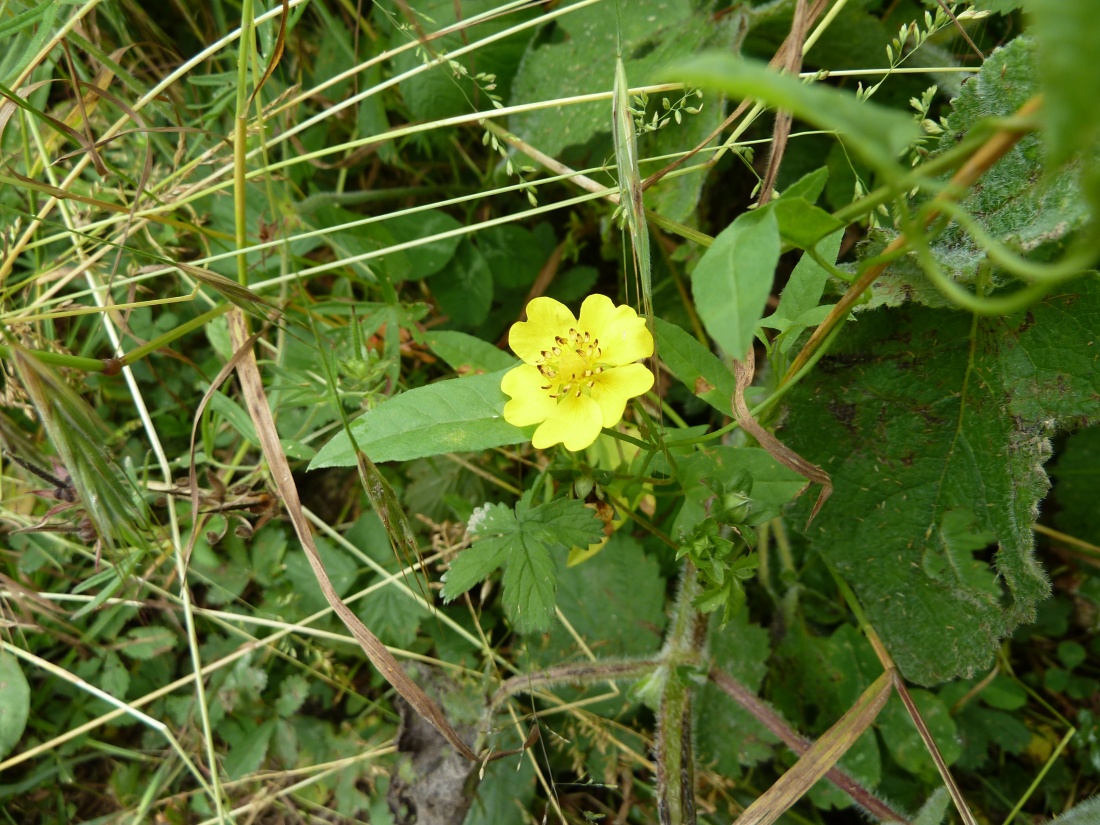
[(732, 280), (657, 606), (522, 541), (15, 703), (453, 416), (944, 413)]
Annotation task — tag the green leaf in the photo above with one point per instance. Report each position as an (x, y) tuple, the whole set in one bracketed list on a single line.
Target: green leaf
[(15, 703), (1086, 813), (904, 743), (247, 753), (802, 224), (615, 601), (464, 287), (799, 302), (425, 258), (293, 692), (581, 60), (694, 364), (460, 415), (918, 413), (772, 482), (522, 542), (728, 735), (467, 353), (1065, 37), (733, 279), (1013, 203), (1076, 479), (114, 678), (876, 133), (148, 642)]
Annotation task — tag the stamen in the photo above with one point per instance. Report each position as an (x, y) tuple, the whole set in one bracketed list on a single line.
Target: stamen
[(559, 339), (546, 387), (556, 350)]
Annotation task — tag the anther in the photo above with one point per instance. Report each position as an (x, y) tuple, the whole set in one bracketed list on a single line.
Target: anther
[(556, 350), (590, 384), (578, 394), (559, 339)]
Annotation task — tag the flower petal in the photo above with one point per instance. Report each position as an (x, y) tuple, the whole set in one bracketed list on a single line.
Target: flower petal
[(530, 403), (622, 332), (614, 387), (575, 422), (546, 318)]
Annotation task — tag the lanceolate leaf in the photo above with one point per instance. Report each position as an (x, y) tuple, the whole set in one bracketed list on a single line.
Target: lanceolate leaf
[(934, 429), (875, 132), (459, 415)]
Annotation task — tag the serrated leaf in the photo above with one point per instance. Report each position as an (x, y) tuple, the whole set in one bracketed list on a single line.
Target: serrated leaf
[(147, 642), (460, 415), (1014, 203), (114, 677), (15, 703), (701, 370), (293, 692), (733, 279), (522, 542), (467, 353), (248, 752), (917, 413), (876, 133)]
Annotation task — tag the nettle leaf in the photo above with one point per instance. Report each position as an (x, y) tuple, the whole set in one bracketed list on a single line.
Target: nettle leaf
[(522, 541), (934, 429), (459, 415), (1014, 203), (733, 279)]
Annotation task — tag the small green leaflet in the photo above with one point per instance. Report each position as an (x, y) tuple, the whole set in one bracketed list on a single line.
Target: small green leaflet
[(522, 542)]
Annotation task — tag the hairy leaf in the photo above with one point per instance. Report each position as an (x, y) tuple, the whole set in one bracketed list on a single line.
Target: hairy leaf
[(934, 429), (522, 541)]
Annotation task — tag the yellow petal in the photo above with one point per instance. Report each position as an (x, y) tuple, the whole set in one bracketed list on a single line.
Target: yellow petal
[(614, 387), (530, 403), (546, 318), (622, 333), (575, 423)]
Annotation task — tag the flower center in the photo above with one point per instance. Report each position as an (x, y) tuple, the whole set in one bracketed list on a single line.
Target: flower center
[(570, 366)]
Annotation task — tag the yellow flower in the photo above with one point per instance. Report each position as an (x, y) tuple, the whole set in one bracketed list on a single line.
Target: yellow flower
[(577, 375)]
